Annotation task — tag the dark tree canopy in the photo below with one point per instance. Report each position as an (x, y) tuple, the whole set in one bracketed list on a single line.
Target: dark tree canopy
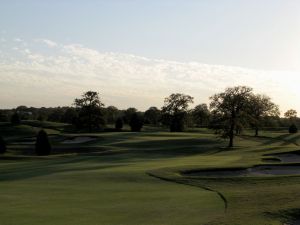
[(111, 114), (152, 116), (56, 115), (2, 146), (136, 122), (128, 114), (4, 116), (175, 110), (177, 103), (230, 107), (201, 115), (42, 145), (119, 124), (70, 116), (261, 107), (15, 119), (291, 114), (90, 113)]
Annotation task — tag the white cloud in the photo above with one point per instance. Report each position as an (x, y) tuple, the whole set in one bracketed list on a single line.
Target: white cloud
[(48, 42), (126, 80), (18, 40)]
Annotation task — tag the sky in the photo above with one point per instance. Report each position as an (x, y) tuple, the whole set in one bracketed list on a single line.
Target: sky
[(137, 52)]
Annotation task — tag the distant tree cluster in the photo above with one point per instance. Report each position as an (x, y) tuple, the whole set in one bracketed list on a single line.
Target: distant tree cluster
[(228, 113)]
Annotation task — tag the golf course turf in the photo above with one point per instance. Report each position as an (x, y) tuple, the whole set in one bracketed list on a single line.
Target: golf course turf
[(145, 178)]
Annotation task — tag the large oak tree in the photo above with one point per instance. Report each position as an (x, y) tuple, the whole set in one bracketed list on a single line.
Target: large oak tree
[(261, 107), (175, 110), (89, 108), (230, 107)]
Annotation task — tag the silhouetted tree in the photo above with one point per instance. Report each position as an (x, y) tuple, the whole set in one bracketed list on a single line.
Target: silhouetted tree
[(42, 145), (70, 116), (4, 116), (292, 116), (260, 107), (43, 114), (56, 115), (111, 114), (119, 124), (201, 115), (175, 110), (2, 146), (128, 114), (90, 111), (230, 107), (136, 122), (152, 116), (15, 119)]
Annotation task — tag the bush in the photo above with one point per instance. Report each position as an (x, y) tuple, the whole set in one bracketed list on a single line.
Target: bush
[(15, 119), (2, 146), (136, 123), (42, 145), (119, 124), (293, 129)]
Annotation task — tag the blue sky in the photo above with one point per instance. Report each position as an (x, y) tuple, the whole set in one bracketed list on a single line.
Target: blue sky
[(257, 34), (260, 35)]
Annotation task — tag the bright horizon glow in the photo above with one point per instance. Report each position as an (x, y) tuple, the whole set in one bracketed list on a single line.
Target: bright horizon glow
[(136, 53)]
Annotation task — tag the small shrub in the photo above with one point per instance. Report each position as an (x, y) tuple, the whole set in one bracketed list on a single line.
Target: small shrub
[(119, 124), (2, 146), (293, 129), (136, 123), (42, 145)]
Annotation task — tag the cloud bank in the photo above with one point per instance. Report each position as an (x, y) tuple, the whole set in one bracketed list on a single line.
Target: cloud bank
[(45, 73)]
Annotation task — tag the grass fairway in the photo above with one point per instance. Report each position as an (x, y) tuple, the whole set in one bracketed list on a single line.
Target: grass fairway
[(136, 178)]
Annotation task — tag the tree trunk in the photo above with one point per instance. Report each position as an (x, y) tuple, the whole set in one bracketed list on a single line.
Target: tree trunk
[(256, 132), (231, 135), (230, 140), (90, 122), (231, 131)]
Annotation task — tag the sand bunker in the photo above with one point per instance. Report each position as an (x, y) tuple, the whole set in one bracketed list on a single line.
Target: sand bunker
[(263, 170), (295, 222), (288, 157), (78, 140)]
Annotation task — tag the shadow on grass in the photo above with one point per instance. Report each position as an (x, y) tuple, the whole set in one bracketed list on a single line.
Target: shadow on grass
[(31, 169)]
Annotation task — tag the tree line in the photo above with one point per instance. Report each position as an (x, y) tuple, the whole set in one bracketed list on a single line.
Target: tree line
[(228, 113)]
